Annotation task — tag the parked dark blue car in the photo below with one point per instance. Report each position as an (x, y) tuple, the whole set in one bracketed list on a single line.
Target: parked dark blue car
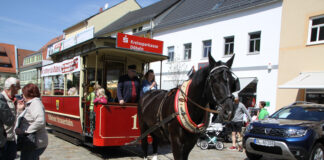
[(293, 132)]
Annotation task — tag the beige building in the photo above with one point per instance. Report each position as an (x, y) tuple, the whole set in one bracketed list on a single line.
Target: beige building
[(139, 22), (103, 18), (301, 66)]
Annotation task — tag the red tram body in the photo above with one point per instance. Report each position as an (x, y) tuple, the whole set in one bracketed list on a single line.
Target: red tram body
[(68, 115)]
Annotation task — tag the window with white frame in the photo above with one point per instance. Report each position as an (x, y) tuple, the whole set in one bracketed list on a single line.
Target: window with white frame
[(229, 45), (255, 41), (171, 54), (316, 30), (187, 51), (206, 48)]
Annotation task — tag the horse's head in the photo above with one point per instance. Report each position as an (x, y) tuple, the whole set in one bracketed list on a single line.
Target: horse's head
[(221, 83)]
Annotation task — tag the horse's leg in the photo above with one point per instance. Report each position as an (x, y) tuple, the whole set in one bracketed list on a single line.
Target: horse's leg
[(177, 147), (188, 146), (155, 144), (144, 143), (181, 150), (144, 147)]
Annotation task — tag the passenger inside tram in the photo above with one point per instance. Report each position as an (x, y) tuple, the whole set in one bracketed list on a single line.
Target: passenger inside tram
[(73, 91), (128, 86)]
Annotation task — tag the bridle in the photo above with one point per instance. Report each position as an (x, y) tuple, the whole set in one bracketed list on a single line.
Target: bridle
[(208, 82)]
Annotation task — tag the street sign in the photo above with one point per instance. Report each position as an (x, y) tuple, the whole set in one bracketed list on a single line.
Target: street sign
[(139, 43)]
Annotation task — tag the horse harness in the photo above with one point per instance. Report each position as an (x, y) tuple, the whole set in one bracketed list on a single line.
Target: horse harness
[(181, 113), (160, 120), (236, 86)]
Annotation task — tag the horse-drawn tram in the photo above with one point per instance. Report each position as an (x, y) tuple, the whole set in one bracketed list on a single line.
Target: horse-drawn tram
[(100, 61)]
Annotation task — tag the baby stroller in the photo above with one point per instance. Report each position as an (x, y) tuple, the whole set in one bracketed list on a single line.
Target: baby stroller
[(209, 138)]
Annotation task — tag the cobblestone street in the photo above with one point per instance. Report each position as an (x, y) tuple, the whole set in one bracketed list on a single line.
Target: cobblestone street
[(61, 150)]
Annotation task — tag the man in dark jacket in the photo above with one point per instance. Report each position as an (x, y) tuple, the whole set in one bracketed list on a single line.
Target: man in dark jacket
[(7, 96), (128, 87), (8, 119)]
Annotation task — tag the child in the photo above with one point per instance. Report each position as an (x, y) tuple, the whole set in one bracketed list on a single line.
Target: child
[(255, 116), (101, 96)]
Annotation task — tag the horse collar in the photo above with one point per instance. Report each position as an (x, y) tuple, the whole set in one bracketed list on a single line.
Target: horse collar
[(181, 108)]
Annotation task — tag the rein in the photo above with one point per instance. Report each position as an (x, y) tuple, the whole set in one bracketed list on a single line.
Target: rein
[(196, 104)]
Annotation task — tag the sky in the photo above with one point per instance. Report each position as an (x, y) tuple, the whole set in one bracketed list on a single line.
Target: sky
[(31, 24)]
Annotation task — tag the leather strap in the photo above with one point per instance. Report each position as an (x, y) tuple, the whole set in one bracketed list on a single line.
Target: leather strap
[(196, 104)]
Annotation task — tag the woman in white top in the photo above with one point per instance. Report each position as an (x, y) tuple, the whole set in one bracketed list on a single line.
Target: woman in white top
[(32, 121)]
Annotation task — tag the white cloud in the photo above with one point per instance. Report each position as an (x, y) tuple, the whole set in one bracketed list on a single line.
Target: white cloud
[(29, 25)]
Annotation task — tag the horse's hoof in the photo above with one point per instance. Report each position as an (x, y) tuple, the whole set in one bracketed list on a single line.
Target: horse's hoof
[(155, 157)]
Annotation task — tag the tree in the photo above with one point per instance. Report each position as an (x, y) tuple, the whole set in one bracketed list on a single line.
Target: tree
[(178, 72)]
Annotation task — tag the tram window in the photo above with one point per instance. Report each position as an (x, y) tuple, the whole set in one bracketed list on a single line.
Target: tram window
[(113, 72), (58, 84), (72, 81), (91, 75), (47, 86)]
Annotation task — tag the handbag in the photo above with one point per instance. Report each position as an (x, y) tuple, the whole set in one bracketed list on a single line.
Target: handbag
[(25, 141)]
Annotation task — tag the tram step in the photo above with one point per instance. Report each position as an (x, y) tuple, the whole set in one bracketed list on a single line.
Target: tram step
[(89, 144), (70, 139)]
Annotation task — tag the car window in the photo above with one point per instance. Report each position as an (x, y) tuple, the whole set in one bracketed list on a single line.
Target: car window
[(300, 113), (284, 114)]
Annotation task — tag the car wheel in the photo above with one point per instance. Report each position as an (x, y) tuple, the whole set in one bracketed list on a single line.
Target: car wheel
[(203, 144), (317, 152), (219, 145), (252, 156)]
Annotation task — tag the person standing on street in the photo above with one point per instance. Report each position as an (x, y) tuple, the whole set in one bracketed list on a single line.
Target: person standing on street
[(11, 87), (263, 112), (32, 122), (128, 87), (237, 121)]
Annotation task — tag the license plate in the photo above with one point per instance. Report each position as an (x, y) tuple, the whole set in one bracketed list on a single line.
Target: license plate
[(264, 142)]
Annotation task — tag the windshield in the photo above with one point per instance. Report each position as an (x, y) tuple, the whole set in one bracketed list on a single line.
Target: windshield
[(300, 113)]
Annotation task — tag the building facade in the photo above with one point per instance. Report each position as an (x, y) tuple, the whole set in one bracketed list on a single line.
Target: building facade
[(139, 22), (222, 28), (103, 18), (8, 63), (30, 72), (301, 69), (86, 29)]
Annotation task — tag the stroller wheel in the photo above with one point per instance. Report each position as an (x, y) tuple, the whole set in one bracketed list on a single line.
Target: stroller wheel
[(198, 142), (219, 145), (203, 144)]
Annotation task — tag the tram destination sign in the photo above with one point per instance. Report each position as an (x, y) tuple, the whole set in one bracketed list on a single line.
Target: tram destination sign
[(139, 43)]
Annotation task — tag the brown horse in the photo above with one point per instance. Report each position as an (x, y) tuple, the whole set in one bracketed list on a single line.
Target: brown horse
[(211, 85)]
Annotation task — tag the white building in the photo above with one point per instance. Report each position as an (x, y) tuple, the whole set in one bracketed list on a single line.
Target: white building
[(250, 29)]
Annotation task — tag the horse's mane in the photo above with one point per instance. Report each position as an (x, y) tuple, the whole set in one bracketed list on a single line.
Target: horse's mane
[(200, 75)]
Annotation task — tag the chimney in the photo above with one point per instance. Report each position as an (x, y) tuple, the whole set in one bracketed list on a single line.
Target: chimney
[(100, 10), (106, 6)]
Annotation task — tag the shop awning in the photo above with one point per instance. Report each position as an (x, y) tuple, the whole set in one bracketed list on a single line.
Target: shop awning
[(244, 82), (306, 80)]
